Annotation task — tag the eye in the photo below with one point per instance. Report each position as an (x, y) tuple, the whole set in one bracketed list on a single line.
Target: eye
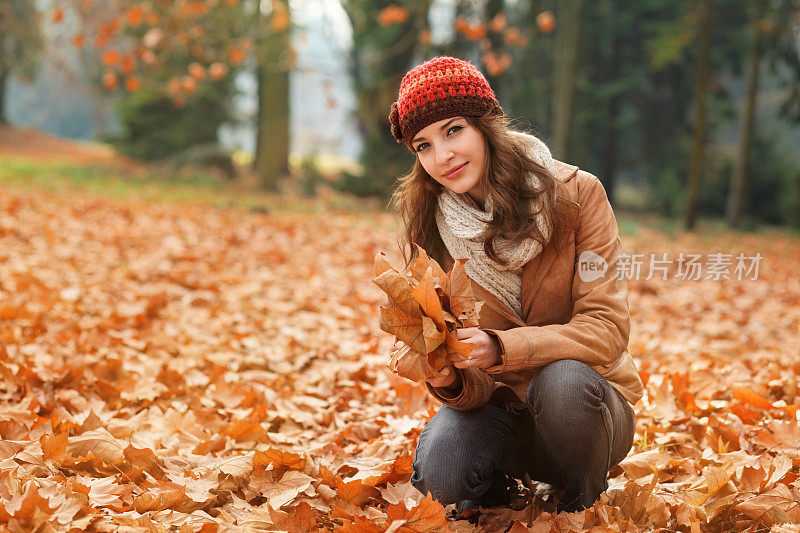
[(421, 147), (456, 128)]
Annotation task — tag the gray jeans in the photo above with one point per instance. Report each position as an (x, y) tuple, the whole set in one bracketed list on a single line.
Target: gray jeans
[(576, 428)]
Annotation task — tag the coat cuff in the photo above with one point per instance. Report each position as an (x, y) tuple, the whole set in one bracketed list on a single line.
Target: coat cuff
[(476, 389)]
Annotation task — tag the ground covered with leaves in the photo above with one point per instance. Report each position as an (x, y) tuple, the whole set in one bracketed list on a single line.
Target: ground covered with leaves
[(175, 366)]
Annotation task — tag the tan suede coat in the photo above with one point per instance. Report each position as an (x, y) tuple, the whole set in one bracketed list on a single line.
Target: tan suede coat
[(564, 317)]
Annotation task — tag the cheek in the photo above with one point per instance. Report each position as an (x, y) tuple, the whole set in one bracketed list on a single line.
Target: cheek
[(426, 163)]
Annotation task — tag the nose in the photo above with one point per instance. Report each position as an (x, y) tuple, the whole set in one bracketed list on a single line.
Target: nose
[(443, 155)]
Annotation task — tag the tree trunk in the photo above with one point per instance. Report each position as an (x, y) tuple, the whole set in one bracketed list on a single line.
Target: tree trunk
[(272, 139), (610, 152), (742, 164), (699, 137), (3, 85), (567, 39)]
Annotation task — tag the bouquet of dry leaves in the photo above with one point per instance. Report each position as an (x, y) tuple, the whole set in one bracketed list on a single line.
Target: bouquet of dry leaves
[(426, 307)]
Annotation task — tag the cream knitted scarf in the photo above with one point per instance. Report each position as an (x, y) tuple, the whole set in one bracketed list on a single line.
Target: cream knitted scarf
[(461, 225)]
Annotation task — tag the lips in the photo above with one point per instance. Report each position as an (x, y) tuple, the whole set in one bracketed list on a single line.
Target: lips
[(455, 172)]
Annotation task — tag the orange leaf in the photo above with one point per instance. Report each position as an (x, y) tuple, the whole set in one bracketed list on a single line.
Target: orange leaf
[(110, 81), (456, 346), (58, 15), (751, 398), (197, 71), (391, 15), (356, 492), (218, 71), (280, 16), (236, 55), (53, 445), (425, 294), (132, 84), (279, 458), (135, 15), (128, 65), (111, 57), (158, 500), (429, 515), (546, 21)]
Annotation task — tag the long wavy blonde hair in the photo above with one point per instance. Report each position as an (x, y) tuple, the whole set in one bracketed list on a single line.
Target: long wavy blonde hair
[(416, 195)]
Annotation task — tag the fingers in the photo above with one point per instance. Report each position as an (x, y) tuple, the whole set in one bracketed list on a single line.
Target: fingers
[(465, 333)]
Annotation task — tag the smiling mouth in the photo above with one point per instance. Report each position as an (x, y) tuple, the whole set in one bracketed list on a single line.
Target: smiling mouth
[(455, 171)]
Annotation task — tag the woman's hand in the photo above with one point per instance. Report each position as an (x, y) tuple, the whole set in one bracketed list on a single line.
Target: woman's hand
[(486, 352)]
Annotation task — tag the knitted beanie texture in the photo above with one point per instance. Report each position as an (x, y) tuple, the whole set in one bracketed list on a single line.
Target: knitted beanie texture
[(437, 89)]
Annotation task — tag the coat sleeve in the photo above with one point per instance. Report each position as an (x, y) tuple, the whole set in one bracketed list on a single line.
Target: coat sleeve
[(599, 328), (476, 389)]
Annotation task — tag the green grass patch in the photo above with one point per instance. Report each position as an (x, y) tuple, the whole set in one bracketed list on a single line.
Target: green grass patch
[(154, 184)]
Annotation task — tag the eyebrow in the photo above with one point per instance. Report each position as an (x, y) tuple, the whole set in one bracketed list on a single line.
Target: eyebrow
[(444, 126)]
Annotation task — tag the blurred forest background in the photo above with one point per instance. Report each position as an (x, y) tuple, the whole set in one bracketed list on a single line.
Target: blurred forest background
[(681, 107)]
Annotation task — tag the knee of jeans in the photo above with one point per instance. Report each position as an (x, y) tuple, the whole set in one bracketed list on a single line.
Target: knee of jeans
[(564, 385), (448, 476)]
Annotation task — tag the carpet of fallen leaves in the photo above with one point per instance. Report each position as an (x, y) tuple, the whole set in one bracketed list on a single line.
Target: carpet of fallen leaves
[(178, 367)]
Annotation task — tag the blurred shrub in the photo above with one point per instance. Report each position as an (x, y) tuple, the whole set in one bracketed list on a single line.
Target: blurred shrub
[(154, 128), (310, 177)]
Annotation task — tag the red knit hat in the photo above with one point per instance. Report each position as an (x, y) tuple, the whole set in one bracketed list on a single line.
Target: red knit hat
[(440, 88)]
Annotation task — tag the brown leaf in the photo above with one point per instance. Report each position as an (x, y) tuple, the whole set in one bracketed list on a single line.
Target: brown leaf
[(399, 292), (158, 500), (410, 364), (99, 443), (407, 328), (422, 263)]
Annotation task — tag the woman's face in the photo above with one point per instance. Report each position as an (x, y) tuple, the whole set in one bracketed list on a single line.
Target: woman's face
[(454, 153)]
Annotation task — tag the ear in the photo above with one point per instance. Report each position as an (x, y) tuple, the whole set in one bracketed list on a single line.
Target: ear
[(394, 121)]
